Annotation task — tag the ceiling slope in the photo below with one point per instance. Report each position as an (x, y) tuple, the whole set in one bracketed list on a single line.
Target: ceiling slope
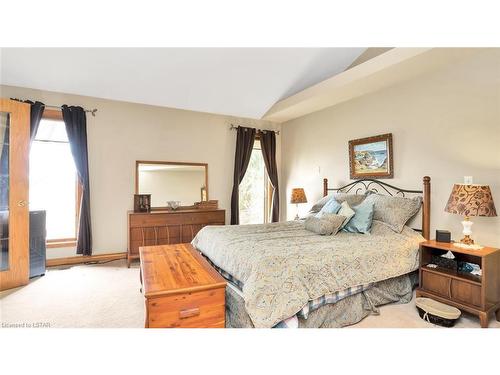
[(387, 69), (243, 82)]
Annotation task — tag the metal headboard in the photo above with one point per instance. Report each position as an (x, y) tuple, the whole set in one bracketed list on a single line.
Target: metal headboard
[(363, 185)]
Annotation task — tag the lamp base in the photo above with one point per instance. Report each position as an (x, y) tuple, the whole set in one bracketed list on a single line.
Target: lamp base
[(467, 224), (296, 212), (467, 240)]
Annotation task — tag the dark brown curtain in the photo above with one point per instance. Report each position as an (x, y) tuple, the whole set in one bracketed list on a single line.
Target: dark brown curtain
[(245, 139), (76, 127), (36, 114), (268, 146)]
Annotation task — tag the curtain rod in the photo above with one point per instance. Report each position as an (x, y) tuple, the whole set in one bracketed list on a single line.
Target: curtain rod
[(261, 130), (91, 111)]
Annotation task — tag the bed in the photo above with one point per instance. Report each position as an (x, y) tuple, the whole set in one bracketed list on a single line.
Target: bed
[(282, 275)]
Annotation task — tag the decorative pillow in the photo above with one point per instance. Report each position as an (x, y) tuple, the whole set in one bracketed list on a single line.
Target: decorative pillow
[(394, 211), (347, 211), (327, 224), (362, 220), (319, 204), (352, 199), (331, 207)]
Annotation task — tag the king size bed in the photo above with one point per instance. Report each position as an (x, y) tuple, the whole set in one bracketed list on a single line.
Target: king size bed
[(282, 275)]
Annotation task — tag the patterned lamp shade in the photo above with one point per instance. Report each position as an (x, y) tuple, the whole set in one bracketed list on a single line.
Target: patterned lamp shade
[(298, 196), (471, 200)]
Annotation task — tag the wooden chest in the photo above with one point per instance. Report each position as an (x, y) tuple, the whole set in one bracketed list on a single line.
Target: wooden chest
[(167, 227), (181, 289)]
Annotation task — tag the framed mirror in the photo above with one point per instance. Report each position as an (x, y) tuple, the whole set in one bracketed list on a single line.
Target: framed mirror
[(166, 181)]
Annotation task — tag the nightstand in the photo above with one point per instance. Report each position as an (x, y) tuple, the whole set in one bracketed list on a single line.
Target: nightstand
[(478, 295)]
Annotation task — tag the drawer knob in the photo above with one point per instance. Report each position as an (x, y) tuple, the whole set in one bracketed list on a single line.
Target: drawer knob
[(183, 314)]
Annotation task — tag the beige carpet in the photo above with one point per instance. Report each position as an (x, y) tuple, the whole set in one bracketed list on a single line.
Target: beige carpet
[(107, 295)]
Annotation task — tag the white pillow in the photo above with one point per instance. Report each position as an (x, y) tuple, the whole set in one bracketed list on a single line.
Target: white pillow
[(347, 211)]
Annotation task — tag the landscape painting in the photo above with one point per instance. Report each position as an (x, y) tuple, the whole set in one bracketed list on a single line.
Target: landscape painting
[(371, 157)]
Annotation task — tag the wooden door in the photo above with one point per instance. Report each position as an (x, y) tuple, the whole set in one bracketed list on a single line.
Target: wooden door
[(14, 215)]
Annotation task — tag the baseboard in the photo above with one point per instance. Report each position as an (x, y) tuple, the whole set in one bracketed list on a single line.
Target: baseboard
[(84, 259)]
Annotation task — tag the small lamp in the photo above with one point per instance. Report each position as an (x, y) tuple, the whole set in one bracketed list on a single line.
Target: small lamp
[(298, 196), (470, 200)]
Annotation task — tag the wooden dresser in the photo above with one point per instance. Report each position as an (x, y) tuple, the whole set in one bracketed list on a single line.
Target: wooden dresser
[(167, 227), (478, 295), (181, 289)]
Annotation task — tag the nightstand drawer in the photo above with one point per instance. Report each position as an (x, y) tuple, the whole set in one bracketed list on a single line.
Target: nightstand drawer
[(452, 288), (436, 283), (465, 292), (185, 310)]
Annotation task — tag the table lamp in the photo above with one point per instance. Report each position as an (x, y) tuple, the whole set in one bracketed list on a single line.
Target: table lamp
[(298, 196), (470, 200)]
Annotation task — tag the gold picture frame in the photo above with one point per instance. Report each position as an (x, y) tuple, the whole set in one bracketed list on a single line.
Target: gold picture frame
[(371, 157)]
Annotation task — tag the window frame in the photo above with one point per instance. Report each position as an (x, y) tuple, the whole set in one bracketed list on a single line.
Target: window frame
[(54, 114)]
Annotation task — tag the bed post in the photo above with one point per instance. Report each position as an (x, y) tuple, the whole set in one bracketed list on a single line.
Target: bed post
[(325, 187), (426, 215)]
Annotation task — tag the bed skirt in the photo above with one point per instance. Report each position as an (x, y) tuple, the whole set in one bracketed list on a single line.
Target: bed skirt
[(343, 313)]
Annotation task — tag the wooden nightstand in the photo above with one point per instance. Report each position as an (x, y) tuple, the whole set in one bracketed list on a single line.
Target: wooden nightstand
[(478, 295)]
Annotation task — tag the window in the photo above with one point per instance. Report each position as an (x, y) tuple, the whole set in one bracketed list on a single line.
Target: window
[(255, 190), (54, 185)]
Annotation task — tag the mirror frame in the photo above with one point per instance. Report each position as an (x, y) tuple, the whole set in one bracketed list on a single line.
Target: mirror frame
[(138, 162)]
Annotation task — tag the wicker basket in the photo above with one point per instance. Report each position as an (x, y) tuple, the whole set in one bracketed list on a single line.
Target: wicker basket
[(436, 312)]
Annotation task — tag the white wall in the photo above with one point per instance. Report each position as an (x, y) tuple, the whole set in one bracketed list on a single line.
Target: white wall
[(445, 124), (172, 185), (122, 133)]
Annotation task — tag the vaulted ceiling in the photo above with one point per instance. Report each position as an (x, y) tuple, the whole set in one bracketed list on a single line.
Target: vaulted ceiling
[(244, 82)]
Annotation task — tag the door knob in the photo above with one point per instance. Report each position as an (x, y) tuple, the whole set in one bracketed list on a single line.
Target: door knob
[(21, 203)]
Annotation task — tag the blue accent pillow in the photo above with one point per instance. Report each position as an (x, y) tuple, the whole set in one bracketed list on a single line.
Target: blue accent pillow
[(362, 219), (331, 207)]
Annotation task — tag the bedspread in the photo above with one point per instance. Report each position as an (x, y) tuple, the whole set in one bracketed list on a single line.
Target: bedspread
[(282, 266)]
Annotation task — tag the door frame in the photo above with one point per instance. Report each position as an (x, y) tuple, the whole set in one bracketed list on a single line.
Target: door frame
[(19, 138)]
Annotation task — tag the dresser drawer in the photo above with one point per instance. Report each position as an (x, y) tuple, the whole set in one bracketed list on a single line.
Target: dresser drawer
[(208, 217), (157, 220), (139, 220), (187, 310)]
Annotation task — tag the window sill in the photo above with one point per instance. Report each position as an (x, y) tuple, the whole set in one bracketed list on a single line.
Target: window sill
[(56, 244)]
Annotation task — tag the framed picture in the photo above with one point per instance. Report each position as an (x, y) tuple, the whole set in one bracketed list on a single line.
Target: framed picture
[(371, 157)]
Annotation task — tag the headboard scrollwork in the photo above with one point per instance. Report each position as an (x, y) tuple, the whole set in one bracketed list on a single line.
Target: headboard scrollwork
[(364, 185)]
